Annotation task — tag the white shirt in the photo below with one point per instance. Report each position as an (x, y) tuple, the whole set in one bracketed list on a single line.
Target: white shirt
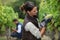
[(33, 29), (19, 29)]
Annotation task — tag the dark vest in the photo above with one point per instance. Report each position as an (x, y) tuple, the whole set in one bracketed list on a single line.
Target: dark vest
[(26, 35), (17, 25)]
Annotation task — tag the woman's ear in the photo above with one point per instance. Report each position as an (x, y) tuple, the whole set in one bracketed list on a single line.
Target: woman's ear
[(28, 12)]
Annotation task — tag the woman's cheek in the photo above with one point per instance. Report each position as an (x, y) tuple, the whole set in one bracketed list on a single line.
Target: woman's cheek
[(35, 13)]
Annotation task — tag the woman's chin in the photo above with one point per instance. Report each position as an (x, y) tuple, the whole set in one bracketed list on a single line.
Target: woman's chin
[(35, 16)]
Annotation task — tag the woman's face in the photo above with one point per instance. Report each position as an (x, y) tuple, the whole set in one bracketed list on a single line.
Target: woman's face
[(33, 12)]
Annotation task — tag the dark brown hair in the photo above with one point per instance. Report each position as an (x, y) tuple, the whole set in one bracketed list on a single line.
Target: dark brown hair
[(14, 20), (27, 6)]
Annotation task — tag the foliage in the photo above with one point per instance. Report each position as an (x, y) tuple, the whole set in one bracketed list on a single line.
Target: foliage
[(21, 21), (7, 15), (50, 7), (7, 2)]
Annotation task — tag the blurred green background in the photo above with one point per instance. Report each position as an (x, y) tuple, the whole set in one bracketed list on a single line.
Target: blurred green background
[(9, 9)]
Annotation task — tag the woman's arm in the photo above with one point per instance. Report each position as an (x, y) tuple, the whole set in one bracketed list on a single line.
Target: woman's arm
[(33, 30), (42, 31)]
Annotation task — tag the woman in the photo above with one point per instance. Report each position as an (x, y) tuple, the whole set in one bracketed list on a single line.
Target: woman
[(31, 30)]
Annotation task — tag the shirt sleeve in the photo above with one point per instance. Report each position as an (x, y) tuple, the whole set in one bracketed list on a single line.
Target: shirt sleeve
[(19, 29), (33, 29)]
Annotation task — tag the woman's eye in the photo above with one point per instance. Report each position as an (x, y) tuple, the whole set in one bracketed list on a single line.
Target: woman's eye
[(34, 11)]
